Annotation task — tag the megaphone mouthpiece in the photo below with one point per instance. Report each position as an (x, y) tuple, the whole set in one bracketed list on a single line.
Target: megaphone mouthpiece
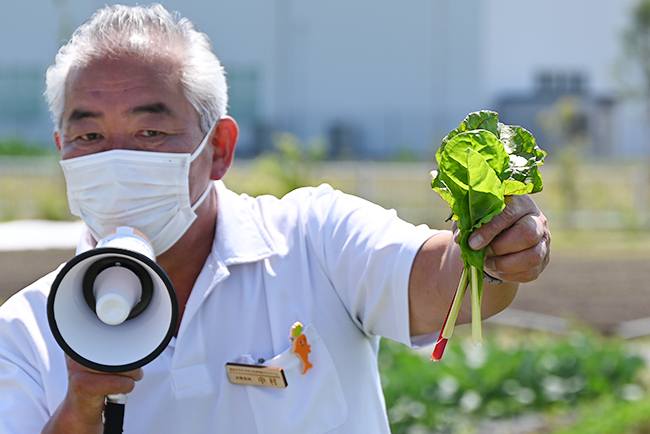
[(117, 290)]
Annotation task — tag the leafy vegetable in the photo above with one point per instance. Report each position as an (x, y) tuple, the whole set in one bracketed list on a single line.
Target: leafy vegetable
[(479, 163)]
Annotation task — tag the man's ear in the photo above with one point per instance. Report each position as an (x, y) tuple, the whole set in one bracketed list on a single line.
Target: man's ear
[(223, 141), (57, 140)]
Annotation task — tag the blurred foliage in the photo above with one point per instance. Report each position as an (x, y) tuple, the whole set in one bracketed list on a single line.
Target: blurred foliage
[(33, 194), (405, 153), (611, 416), (636, 50), (565, 124), (13, 146), (31, 182), (502, 380), (284, 168)]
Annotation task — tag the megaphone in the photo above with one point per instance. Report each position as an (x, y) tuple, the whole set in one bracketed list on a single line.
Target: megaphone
[(112, 308)]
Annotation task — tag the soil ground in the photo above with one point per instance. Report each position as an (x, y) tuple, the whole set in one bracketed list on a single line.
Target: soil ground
[(601, 290), (20, 268)]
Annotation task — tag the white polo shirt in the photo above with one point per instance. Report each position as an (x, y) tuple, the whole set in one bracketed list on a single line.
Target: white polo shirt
[(334, 262)]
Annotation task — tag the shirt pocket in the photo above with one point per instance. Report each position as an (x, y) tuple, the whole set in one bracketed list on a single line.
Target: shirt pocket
[(312, 403)]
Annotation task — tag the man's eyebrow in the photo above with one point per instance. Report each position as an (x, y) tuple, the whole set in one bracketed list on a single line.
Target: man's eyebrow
[(155, 108), (77, 115)]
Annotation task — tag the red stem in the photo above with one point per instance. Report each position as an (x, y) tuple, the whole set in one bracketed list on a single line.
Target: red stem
[(438, 349)]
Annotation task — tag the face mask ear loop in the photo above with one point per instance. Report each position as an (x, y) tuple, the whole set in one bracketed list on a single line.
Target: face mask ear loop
[(203, 196), (206, 139), (196, 153)]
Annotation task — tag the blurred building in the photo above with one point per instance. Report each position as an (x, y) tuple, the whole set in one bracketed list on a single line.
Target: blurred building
[(561, 110), (372, 77)]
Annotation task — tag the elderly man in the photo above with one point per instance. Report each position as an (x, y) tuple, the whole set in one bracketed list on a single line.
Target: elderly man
[(139, 103)]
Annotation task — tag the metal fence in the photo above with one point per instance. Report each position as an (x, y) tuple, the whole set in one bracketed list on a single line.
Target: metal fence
[(586, 196), (593, 196)]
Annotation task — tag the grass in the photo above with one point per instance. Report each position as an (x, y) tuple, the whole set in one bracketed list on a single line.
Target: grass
[(598, 243)]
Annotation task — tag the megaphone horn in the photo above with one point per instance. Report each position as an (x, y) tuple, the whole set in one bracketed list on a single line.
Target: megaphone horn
[(112, 308)]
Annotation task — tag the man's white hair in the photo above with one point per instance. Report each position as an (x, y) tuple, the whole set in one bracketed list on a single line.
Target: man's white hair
[(146, 31)]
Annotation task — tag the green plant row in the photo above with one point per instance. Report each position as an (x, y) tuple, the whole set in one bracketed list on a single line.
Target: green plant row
[(500, 381), (18, 147), (611, 416)]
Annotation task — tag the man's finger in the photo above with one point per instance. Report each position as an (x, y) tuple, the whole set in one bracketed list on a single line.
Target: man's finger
[(516, 208), (91, 382), (527, 232), (522, 266)]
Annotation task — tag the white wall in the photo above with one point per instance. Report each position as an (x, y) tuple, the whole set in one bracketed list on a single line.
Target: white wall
[(404, 72), (524, 36)]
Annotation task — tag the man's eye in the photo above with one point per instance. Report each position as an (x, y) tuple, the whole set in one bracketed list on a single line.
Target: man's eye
[(150, 133), (90, 136)]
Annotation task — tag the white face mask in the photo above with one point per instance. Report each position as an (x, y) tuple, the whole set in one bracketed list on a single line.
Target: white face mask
[(145, 190)]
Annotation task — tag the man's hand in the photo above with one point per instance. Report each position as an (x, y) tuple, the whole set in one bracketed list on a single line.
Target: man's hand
[(81, 410), (517, 243)]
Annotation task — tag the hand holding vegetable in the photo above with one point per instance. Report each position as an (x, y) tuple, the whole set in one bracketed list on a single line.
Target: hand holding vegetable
[(518, 250), (481, 163)]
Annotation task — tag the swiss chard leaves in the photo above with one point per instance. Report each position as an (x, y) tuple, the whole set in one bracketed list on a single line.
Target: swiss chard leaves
[(479, 163)]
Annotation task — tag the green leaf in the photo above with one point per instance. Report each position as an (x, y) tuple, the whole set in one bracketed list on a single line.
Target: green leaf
[(452, 179), (485, 192), (442, 189), (525, 158), (484, 201), (481, 120), (512, 187)]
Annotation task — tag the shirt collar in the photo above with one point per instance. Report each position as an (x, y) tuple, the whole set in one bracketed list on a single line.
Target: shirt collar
[(240, 236)]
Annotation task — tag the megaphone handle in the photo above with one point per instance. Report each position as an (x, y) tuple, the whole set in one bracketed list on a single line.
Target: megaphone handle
[(114, 414)]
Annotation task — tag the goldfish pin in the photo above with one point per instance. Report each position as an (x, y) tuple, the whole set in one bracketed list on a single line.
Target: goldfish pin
[(300, 346)]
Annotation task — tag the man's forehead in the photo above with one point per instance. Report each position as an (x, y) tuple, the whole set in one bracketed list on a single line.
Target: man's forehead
[(109, 68), (120, 78)]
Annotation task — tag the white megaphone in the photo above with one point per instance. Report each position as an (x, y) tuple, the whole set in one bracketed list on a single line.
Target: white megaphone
[(112, 308)]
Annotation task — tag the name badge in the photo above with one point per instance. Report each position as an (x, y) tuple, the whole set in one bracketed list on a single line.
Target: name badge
[(256, 375)]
